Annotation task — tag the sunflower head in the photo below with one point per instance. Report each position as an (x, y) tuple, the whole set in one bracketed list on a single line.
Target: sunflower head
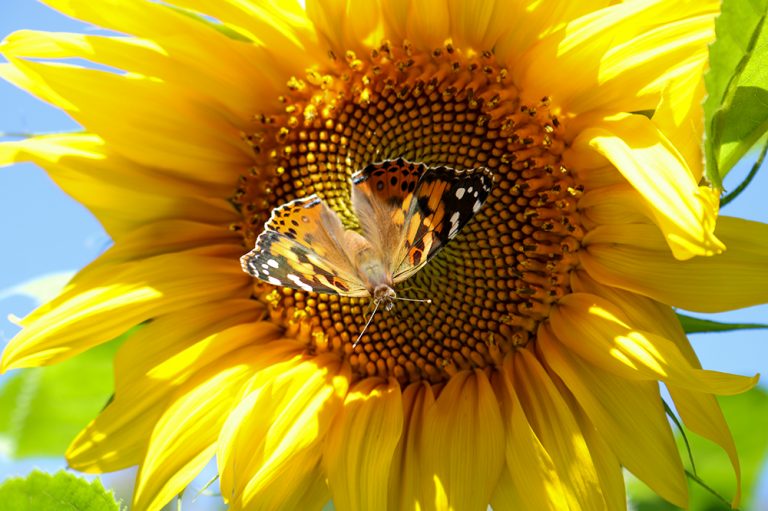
[(496, 282)]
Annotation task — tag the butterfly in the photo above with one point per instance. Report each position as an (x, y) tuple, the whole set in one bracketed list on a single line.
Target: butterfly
[(407, 213)]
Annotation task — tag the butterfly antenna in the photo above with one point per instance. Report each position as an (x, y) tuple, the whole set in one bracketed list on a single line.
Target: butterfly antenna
[(366, 325), (427, 300)]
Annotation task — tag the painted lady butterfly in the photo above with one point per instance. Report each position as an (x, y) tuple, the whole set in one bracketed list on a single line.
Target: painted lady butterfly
[(407, 213)]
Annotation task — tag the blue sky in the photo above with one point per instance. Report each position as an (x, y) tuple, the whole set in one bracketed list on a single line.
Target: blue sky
[(44, 232)]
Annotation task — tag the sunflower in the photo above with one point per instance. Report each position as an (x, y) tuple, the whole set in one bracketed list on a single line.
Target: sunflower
[(533, 378)]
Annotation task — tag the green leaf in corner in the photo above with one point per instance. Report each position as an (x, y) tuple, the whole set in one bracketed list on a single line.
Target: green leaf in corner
[(45, 492), (736, 109), (693, 325), (43, 408)]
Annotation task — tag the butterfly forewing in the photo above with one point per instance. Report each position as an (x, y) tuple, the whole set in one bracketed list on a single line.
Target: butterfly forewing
[(445, 199), (301, 248), (381, 197)]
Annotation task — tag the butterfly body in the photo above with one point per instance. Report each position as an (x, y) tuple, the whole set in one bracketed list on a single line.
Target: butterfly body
[(384, 296), (407, 212)]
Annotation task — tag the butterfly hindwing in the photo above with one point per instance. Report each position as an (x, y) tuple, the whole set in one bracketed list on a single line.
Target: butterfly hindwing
[(445, 199), (300, 248)]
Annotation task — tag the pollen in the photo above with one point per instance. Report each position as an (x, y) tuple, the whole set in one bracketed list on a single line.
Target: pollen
[(491, 286)]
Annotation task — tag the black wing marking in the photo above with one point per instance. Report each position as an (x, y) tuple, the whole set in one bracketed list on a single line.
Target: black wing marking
[(444, 201)]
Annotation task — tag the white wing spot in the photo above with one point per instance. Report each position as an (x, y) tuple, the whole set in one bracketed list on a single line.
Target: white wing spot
[(470, 189), (264, 265), (454, 223), (477, 206), (272, 263), (296, 280), (460, 193), (274, 281)]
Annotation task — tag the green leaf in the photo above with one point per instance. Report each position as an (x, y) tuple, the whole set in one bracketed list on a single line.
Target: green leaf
[(42, 409), (736, 109), (60, 492), (693, 325), (747, 416)]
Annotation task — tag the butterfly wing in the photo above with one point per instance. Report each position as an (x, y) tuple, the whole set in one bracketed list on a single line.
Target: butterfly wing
[(445, 199), (301, 247), (381, 196)]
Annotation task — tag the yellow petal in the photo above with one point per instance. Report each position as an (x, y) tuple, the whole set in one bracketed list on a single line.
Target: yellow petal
[(634, 257), (699, 411), (244, 459), (640, 311), (407, 468), (596, 330), (614, 204), (684, 211), (528, 21), (106, 444), (187, 41), (606, 462), (395, 14), (286, 463), (150, 59), (86, 156), (167, 236), (460, 443), (328, 19), (680, 115), (173, 347), (589, 52), (88, 95), (183, 440), (116, 297), (347, 26), (149, 367), (427, 24), (505, 495), (555, 425), (530, 480), (478, 25), (119, 52), (272, 444), (633, 74), (276, 25), (312, 494), (111, 186), (361, 443), (629, 415)]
